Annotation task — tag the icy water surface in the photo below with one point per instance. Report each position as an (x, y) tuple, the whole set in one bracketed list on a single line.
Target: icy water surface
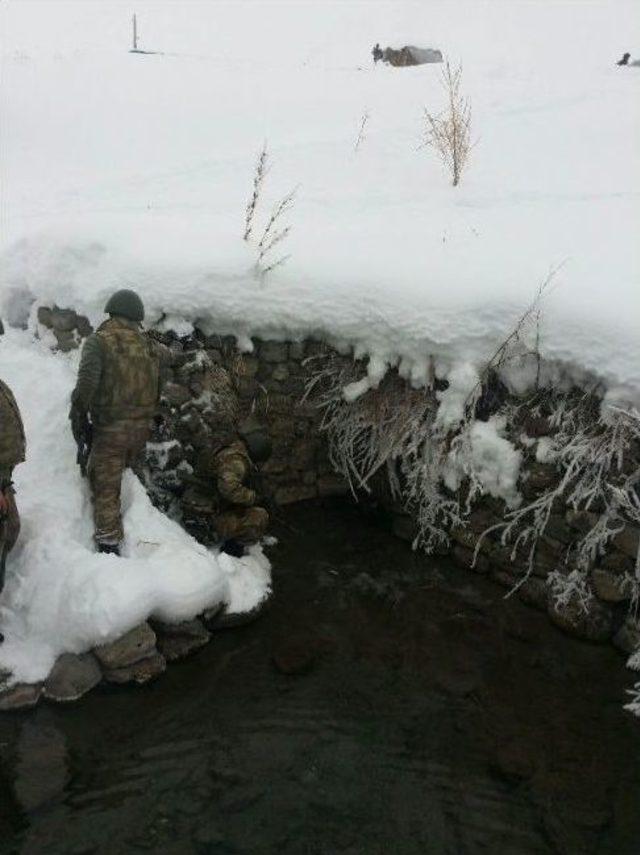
[(385, 704)]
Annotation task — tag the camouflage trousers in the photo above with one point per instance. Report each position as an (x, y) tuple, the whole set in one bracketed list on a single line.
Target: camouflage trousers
[(9, 531), (246, 525), (116, 447), (203, 518)]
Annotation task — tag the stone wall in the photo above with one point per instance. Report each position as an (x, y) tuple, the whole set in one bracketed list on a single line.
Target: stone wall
[(272, 379)]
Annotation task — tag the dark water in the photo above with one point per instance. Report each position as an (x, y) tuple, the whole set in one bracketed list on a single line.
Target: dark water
[(424, 714)]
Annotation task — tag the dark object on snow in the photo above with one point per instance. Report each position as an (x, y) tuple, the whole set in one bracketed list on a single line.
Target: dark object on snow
[(125, 303), (377, 53), (232, 547), (625, 59), (109, 548), (411, 55), (82, 431)]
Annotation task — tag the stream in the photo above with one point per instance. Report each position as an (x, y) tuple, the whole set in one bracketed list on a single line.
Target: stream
[(384, 703)]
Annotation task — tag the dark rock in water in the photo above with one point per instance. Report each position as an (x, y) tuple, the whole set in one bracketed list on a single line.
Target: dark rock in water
[(229, 620), (609, 586), (594, 625), (139, 643), (534, 592), (294, 657), (179, 639), (138, 672), (174, 647), (404, 527), (514, 762), (627, 638), (190, 628), (72, 677), (20, 696)]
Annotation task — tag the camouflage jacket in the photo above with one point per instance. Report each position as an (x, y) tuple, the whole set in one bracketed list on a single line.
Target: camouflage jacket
[(119, 374), (12, 440), (227, 471)]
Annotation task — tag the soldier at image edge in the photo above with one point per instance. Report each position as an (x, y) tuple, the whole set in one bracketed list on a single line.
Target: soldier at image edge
[(12, 452), (112, 407)]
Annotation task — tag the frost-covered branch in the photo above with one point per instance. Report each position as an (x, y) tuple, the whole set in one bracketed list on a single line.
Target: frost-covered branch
[(361, 135), (272, 234)]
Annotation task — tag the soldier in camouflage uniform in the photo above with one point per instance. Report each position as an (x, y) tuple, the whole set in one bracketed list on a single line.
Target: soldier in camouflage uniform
[(12, 452), (118, 387), (220, 497)]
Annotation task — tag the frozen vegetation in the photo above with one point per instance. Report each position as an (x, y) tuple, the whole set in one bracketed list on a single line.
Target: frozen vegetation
[(131, 170)]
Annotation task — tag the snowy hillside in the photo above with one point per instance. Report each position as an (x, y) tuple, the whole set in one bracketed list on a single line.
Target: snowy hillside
[(133, 169)]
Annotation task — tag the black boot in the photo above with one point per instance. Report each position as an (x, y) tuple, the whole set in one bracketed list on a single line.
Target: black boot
[(232, 547), (109, 548)]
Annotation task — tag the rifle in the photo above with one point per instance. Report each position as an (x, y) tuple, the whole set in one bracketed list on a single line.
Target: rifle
[(268, 500), (82, 430)]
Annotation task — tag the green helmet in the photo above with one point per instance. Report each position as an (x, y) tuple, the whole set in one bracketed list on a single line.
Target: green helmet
[(256, 437), (126, 304)]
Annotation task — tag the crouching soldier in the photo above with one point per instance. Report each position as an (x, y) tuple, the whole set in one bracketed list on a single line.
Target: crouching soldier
[(12, 452), (112, 406), (221, 493)]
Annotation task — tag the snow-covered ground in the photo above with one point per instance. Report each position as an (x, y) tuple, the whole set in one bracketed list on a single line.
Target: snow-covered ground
[(135, 170), (132, 169)]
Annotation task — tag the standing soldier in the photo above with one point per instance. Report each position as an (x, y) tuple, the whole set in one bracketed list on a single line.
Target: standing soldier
[(221, 494), (12, 452), (112, 406)]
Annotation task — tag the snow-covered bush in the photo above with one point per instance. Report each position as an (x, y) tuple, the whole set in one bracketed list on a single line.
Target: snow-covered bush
[(449, 132)]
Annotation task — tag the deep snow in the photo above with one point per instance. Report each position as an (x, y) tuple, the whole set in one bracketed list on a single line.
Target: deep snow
[(125, 169)]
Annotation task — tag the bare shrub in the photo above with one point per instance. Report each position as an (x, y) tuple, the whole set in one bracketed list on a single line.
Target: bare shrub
[(449, 132), (272, 234), (361, 134), (387, 428), (259, 176)]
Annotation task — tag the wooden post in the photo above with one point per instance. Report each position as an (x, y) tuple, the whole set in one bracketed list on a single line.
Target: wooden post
[(135, 33)]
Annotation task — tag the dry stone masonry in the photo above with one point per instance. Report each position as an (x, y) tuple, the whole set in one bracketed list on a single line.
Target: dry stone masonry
[(272, 381)]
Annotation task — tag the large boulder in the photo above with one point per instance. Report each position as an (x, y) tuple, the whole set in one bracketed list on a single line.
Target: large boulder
[(139, 643), (72, 677), (177, 640)]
